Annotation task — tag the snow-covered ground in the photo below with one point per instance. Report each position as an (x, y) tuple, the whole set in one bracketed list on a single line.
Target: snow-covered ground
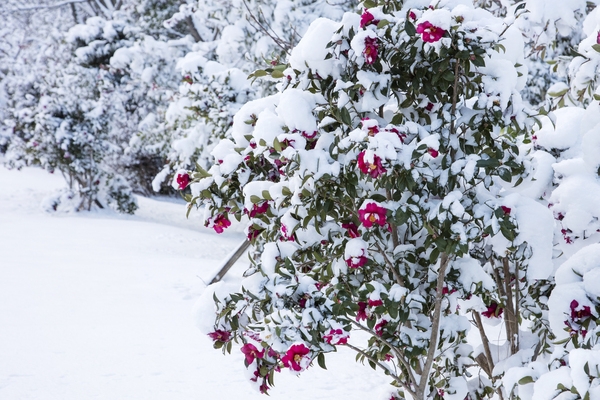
[(100, 306)]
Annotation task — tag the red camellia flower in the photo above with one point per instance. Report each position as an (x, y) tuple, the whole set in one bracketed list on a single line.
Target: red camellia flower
[(375, 303), (433, 152), (294, 356), (256, 209), (356, 262), (493, 311), (579, 314), (370, 51), (361, 314), (506, 210), (379, 327), (336, 336), (372, 214), (429, 32), (286, 236), (183, 180), (374, 169), (412, 15), (221, 223), (220, 336), (352, 229), (251, 352), (598, 38), (367, 19)]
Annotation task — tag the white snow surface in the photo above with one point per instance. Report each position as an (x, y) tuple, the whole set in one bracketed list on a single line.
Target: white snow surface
[(100, 306)]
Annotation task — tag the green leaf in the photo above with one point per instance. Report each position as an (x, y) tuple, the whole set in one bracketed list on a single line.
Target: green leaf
[(258, 73), (490, 162), (277, 145), (345, 115), (410, 28), (255, 199), (277, 74), (266, 195), (596, 47), (525, 380), (397, 119), (504, 174), (382, 23), (321, 360), (369, 3)]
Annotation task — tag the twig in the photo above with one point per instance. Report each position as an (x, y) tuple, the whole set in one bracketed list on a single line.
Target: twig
[(435, 327)]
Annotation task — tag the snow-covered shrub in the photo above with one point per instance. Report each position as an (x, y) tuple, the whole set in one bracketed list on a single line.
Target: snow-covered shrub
[(237, 37), (379, 182)]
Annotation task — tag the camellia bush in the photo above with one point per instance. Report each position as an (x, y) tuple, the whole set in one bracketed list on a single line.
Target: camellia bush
[(410, 206)]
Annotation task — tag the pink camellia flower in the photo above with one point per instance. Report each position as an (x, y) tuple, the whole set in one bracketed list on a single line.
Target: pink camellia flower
[(577, 315), (220, 336), (352, 229), (361, 314), (335, 337), (370, 51), (294, 356), (367, 19), (598, 38), (433, 152), (256, 209), (506, 210), (357, 262), (379, 327), (183, 180), (251, 352), (429, 32), (286, 235), (493, 311), (375, 169), (221, 223), (375, 303), (412, 15), (372, 214)]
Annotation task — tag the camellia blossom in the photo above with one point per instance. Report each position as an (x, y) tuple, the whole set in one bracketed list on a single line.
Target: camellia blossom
[(598, 38), (183, 180), (433, 152), (357, 262), (367, 19), (336, 336), (375, 303), (375, 169), (220, 336), (361, 314), (577, 315), (352, 229), (372, 214), (251, 352), (370, 51), (256, 209), (493, 311), (294, 356), (506, 210), (379, 327), (221, 223), (429, 32), (286, 235)]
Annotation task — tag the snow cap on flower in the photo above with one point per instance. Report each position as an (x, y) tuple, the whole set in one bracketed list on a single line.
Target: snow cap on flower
[(372, 213), (336, 336), (296, 357), (181, 180), (369, 163), (434, 24), (355, 253)]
